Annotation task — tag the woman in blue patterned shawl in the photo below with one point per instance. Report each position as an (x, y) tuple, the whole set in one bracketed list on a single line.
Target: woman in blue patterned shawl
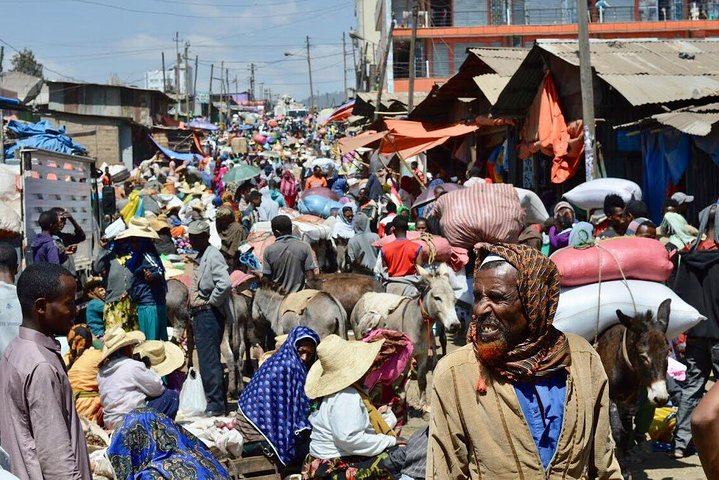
[(274, 402), (149, 445)]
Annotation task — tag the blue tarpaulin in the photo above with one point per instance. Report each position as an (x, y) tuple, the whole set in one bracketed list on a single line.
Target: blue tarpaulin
[(171, 154), (666, 157), (9, 103), (41, 135), (202, 124)]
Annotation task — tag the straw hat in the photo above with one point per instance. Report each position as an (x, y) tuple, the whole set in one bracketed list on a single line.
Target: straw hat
[(117, 338), (160, 222), (196, 189), (340, 364), (165, 357), (140, 228)]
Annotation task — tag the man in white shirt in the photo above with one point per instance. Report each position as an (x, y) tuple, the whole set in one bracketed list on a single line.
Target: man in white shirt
[(126, 384), (10, 312)]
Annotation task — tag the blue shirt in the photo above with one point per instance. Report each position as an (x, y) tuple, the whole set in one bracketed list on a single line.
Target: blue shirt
[(542, 404)]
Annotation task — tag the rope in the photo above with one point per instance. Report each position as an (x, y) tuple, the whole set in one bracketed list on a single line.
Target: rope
[(431, 247), (599, 289)]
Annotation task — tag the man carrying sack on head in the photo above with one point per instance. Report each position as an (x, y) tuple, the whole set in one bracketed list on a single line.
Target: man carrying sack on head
[(209, 291), (522, 399)]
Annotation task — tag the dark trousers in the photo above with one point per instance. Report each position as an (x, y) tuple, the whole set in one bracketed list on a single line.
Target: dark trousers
[(166, 403), (209, 326), (701, 359)]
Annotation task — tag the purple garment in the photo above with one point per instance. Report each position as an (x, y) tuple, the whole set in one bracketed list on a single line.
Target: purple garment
[(558, 240), (44, 249), (41, 429)]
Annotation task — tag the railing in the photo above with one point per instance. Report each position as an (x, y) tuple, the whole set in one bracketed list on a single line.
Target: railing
[(649, 12)]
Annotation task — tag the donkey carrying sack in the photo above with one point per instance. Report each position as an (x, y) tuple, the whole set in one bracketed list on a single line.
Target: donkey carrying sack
[(481, 213)]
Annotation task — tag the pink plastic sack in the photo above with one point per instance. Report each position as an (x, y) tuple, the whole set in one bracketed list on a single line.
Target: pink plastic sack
[(638, 258), (259, 138), (456, 257), (483, 213)]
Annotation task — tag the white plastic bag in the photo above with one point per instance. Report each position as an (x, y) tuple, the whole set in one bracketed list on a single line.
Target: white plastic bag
[(192, 396), (590, 195), (577, 310), (532, 205)]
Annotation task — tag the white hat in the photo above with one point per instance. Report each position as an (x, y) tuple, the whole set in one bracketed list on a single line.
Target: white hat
[(681, 197), (165, 357), (140, 228), (117, 338)]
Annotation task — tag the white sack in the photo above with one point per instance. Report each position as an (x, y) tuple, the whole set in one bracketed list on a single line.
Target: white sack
[(590, 195)]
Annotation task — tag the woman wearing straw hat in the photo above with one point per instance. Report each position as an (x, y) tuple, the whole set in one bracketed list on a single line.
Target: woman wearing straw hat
[(350, 437), (148, 288), (126, 384)]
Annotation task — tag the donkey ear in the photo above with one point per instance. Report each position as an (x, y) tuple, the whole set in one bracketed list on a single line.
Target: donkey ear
[(663, 314), (625, 320), (442, 271), (423, 272)]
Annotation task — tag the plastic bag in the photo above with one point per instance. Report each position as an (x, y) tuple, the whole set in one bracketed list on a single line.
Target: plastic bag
[(590, 195), (192, 396)]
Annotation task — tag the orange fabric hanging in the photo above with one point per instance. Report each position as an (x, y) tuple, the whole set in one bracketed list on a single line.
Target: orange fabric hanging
[(546, 130)]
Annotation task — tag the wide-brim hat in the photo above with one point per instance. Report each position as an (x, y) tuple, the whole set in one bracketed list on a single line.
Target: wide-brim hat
[(117, 338), (197, 189), (140, 228), (159, 223), (340, 363), (165, 357)]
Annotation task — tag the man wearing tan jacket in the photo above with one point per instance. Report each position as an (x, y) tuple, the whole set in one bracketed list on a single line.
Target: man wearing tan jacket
[(522, 400)]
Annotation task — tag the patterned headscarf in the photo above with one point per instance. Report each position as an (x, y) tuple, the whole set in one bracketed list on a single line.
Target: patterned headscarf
[(79, 339), (275, 402), (546, 349)]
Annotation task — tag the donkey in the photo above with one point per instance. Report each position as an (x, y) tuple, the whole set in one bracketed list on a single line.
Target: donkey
[(416, 316), (232, 346), (323, 313), (634, 355), (348, 288)]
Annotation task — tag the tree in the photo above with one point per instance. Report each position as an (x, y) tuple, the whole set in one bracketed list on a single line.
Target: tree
[(26, 63)]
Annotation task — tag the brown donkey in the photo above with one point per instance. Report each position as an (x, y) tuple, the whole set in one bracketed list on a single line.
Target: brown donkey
[(634, 354)]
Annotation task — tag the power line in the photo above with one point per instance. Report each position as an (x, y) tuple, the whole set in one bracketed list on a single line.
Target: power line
[(44, 67), (182, 15)]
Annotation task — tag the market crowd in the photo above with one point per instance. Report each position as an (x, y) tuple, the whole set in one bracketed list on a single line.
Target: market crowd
[(521, 399)]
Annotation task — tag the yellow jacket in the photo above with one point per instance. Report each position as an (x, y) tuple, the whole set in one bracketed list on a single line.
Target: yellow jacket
[(486, 436)]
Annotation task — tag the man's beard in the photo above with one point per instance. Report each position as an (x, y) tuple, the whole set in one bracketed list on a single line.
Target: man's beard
[(491, 344)]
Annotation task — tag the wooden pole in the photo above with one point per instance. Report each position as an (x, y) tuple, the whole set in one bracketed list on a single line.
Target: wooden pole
[(187, 82), (412, 62), (209, 103), (194, 87), (309, 68), (344, 62), (164, 79), (383, 72), (585, 78)]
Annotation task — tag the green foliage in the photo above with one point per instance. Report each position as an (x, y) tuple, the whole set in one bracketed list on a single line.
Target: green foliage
[(25, 62)]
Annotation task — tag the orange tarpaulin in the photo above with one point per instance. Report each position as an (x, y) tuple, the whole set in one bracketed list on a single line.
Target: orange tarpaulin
[(349, 144), (546, 130), (409, 138)]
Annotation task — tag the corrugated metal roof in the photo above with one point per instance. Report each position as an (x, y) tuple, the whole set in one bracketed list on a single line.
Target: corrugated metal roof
[(491, 85), (644, 89), (504, 61), (691, 120)]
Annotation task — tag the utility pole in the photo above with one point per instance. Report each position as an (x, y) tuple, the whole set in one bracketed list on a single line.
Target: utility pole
[(194, 87), (344, 62), (209, 102), (585, 79), (412, 60), (222, 89), (309, 67), (383, 72), (177, 75), (164, 79), (354, 63), (2, 56), (252, 81), (227, 90), (187, 82)]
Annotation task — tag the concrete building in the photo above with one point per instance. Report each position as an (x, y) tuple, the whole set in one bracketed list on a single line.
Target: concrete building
[(447, 28), (153, 80)]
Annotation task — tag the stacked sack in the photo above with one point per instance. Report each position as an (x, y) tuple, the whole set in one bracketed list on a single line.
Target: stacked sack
[(625, 273)]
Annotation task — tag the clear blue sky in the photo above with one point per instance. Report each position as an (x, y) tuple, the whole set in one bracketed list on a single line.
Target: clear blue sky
[(91, 40)]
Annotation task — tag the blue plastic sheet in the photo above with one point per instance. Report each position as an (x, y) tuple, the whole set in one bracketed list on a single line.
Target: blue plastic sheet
[(666, 156), (172, 155), (202, 125), (10, 103), (41, 135), (318, 205)]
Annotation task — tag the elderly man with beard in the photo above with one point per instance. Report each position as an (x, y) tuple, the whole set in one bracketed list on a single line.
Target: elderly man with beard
[(522, 399)]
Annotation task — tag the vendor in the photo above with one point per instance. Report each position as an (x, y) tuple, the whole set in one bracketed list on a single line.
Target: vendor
[(149, 287), (164, 244), (349, 435), (126, 384), (273, 408), (83, 362), (95, 293)]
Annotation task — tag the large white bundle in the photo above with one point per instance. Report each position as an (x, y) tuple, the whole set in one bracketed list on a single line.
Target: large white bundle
[(577, 311), (532, 205), (590, 195)]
